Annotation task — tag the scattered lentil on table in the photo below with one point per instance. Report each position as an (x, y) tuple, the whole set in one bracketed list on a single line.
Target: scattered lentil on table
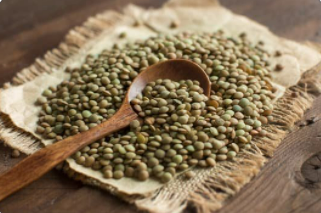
[(15, 153)]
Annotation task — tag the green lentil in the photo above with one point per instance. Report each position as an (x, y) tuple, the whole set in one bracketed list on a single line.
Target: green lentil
[(166, 177), (118, 174), (142, 175), (189, 174), (178, 126)]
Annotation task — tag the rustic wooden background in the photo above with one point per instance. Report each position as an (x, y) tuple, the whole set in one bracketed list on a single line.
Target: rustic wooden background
[(290, 182)]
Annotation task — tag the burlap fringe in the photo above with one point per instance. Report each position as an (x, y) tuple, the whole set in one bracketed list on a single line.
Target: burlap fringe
[(74, 41), (211, 187), (215, 186)]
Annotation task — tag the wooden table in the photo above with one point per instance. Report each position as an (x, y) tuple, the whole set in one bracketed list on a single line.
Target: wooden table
[(29, 28)]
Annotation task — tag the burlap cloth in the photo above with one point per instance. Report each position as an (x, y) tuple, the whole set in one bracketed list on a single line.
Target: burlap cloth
[(298, 84)]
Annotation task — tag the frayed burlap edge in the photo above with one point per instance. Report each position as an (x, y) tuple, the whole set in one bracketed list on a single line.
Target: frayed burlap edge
[(77, 38), (208, 190)]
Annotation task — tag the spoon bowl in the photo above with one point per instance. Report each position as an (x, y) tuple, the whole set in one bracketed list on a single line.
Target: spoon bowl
[(175, 70), (39, 163)]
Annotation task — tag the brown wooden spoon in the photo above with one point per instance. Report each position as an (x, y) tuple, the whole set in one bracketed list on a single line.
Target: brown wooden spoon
[(39, 163)]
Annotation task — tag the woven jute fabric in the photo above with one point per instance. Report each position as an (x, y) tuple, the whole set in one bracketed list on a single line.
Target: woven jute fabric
[(299, 84)]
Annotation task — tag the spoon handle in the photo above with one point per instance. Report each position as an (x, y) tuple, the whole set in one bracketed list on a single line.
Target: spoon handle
[(39, 163)]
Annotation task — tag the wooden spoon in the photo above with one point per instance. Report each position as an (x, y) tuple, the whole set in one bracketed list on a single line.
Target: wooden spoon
[(39, 163)]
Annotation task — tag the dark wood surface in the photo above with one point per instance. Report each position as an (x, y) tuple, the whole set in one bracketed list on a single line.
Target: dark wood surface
[(290, 182)]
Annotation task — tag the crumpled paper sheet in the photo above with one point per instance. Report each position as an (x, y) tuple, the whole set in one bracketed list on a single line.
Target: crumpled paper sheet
[(193, 16)]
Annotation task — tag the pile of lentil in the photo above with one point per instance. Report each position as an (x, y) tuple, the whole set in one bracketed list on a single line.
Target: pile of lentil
[(178, 127)]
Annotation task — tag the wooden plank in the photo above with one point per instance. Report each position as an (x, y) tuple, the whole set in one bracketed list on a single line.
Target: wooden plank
[(29, 28), (24, 42), (281, 186), (293, 19)]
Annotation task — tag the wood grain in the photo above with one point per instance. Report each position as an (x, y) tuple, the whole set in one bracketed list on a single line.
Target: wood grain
[(29, 28), (281, 186)]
